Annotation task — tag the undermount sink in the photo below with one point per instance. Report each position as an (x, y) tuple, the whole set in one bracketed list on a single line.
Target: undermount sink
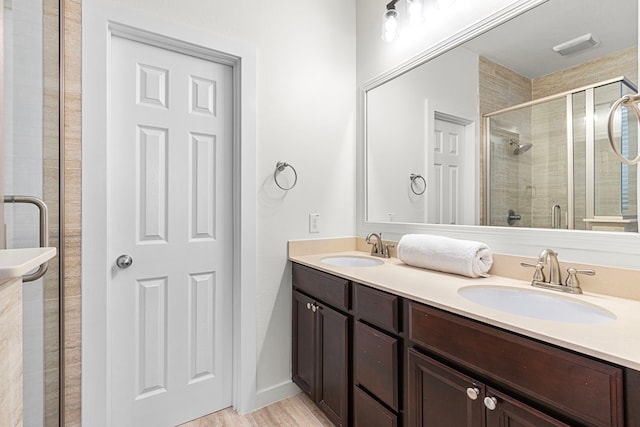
[(351, 261), (539, 305)]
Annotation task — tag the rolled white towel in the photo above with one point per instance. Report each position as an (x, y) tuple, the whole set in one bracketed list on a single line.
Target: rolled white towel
[(464, 257)]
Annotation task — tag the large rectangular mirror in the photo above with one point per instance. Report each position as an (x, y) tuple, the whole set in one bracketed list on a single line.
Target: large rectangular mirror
[(460, 139)]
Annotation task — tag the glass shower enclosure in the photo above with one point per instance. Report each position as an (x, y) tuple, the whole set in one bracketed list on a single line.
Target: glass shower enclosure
[(549, 163)]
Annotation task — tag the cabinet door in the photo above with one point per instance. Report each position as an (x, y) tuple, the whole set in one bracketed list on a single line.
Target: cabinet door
[(368, 412), (375, 363), (333, 373), (440, 396), (513, 413), (304, 344)]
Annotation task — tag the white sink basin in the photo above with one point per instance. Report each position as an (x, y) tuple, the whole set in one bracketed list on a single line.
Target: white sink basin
[(351, 261), (539, 305)]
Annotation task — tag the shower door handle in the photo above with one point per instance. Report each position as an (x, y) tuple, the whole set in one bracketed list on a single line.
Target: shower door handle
[(556, 216), (44, 230)]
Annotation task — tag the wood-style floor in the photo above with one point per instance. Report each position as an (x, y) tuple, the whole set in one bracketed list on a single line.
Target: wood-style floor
[(295, 411)]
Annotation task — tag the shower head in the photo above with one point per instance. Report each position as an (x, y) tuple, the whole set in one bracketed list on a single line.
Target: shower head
[(519, 148)]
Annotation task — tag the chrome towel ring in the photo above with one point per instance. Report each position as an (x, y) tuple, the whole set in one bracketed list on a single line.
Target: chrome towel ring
[(281, 166), (413, 178), (629, 101)]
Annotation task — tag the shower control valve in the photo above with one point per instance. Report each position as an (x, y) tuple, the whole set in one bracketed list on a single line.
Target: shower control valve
[(512, 217)]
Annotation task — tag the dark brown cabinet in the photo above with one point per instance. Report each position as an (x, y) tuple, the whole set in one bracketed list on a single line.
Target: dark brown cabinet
[(442, 396), (321, 343), (438, 395), (377, 352), (305, 353), (555, 383)]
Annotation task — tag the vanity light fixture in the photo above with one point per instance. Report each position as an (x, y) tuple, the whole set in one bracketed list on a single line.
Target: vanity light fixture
[(415, 16), (576, 45)]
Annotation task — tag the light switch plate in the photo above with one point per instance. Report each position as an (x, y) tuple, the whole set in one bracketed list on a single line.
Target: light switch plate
[(314, 223)]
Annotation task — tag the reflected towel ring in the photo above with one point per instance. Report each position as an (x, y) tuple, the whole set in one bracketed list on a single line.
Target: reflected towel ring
[(280, 166), (629, 101), (413, 178)]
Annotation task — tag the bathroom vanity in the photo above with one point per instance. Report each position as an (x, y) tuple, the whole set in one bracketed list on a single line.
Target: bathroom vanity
[(373, 354)]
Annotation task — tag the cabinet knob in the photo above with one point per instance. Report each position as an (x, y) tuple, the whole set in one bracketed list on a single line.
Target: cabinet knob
[(490, 403), (308, 306), (314, 308), (473, 393)]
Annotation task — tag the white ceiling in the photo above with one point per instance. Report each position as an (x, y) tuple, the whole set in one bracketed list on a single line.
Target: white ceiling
[(525, 43)]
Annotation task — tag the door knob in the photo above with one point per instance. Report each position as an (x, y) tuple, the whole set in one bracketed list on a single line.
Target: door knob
[(124, 261)]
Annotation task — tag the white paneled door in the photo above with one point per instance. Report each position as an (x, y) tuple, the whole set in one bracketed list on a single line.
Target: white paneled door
[(448, 160), (170, 226)]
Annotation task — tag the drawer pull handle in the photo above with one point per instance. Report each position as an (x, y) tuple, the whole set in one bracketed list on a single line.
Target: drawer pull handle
[(490, 403), (473, 393)]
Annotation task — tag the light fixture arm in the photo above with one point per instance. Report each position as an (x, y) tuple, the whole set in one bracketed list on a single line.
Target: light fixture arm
[(392, 4)]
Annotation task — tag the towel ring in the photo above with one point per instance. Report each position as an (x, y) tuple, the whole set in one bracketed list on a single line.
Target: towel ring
[(280, 166), (413, 178), (629, 101)]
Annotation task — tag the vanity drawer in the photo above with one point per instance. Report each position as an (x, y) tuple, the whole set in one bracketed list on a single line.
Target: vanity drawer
[(367, 412), (376, 363), (329, 289), (586, 389), (377, 307)]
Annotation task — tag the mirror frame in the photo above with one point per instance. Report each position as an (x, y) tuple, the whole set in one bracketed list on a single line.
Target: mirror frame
[(590, 247)]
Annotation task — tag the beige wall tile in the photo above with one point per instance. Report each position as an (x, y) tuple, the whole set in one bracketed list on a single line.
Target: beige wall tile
[(11, 360), (72, 132)]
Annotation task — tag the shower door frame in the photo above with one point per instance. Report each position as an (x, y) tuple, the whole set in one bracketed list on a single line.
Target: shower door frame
[(589, 145)]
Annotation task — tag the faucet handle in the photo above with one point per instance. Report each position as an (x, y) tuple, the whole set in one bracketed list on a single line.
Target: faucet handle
[(385, 249), (538, 275), (572, 279)]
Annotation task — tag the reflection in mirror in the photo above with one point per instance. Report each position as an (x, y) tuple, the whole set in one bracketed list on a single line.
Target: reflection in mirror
[(550, 164), (429, 122), (400, 113)]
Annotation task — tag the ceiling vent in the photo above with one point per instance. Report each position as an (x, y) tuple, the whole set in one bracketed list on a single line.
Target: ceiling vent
[(576, 45)]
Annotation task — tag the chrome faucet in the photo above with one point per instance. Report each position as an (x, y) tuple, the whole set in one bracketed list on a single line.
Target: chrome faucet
[(548, 257), (378, 249)]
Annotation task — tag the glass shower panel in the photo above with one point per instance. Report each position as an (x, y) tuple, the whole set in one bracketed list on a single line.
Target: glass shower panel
[(510, 175), (615, 197), (549, 163), (579, 128), (31, 168)]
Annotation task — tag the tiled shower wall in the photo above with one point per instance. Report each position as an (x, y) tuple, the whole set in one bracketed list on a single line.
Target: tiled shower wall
[(72, 213)]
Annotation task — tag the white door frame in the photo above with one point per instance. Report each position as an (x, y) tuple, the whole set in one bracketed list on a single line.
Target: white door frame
[(99, 23)]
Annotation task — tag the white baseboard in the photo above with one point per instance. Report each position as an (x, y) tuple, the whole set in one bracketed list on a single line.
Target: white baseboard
[(267, 396)]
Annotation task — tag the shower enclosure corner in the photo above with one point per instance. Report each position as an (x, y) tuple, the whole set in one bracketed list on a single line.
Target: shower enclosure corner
[(549, 164)]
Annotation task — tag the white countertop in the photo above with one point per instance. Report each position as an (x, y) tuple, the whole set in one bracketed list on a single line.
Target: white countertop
[(16, 263), (616, 341)]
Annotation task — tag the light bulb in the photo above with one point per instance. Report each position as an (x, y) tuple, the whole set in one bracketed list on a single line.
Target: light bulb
[(415, 12), (390, 25)]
